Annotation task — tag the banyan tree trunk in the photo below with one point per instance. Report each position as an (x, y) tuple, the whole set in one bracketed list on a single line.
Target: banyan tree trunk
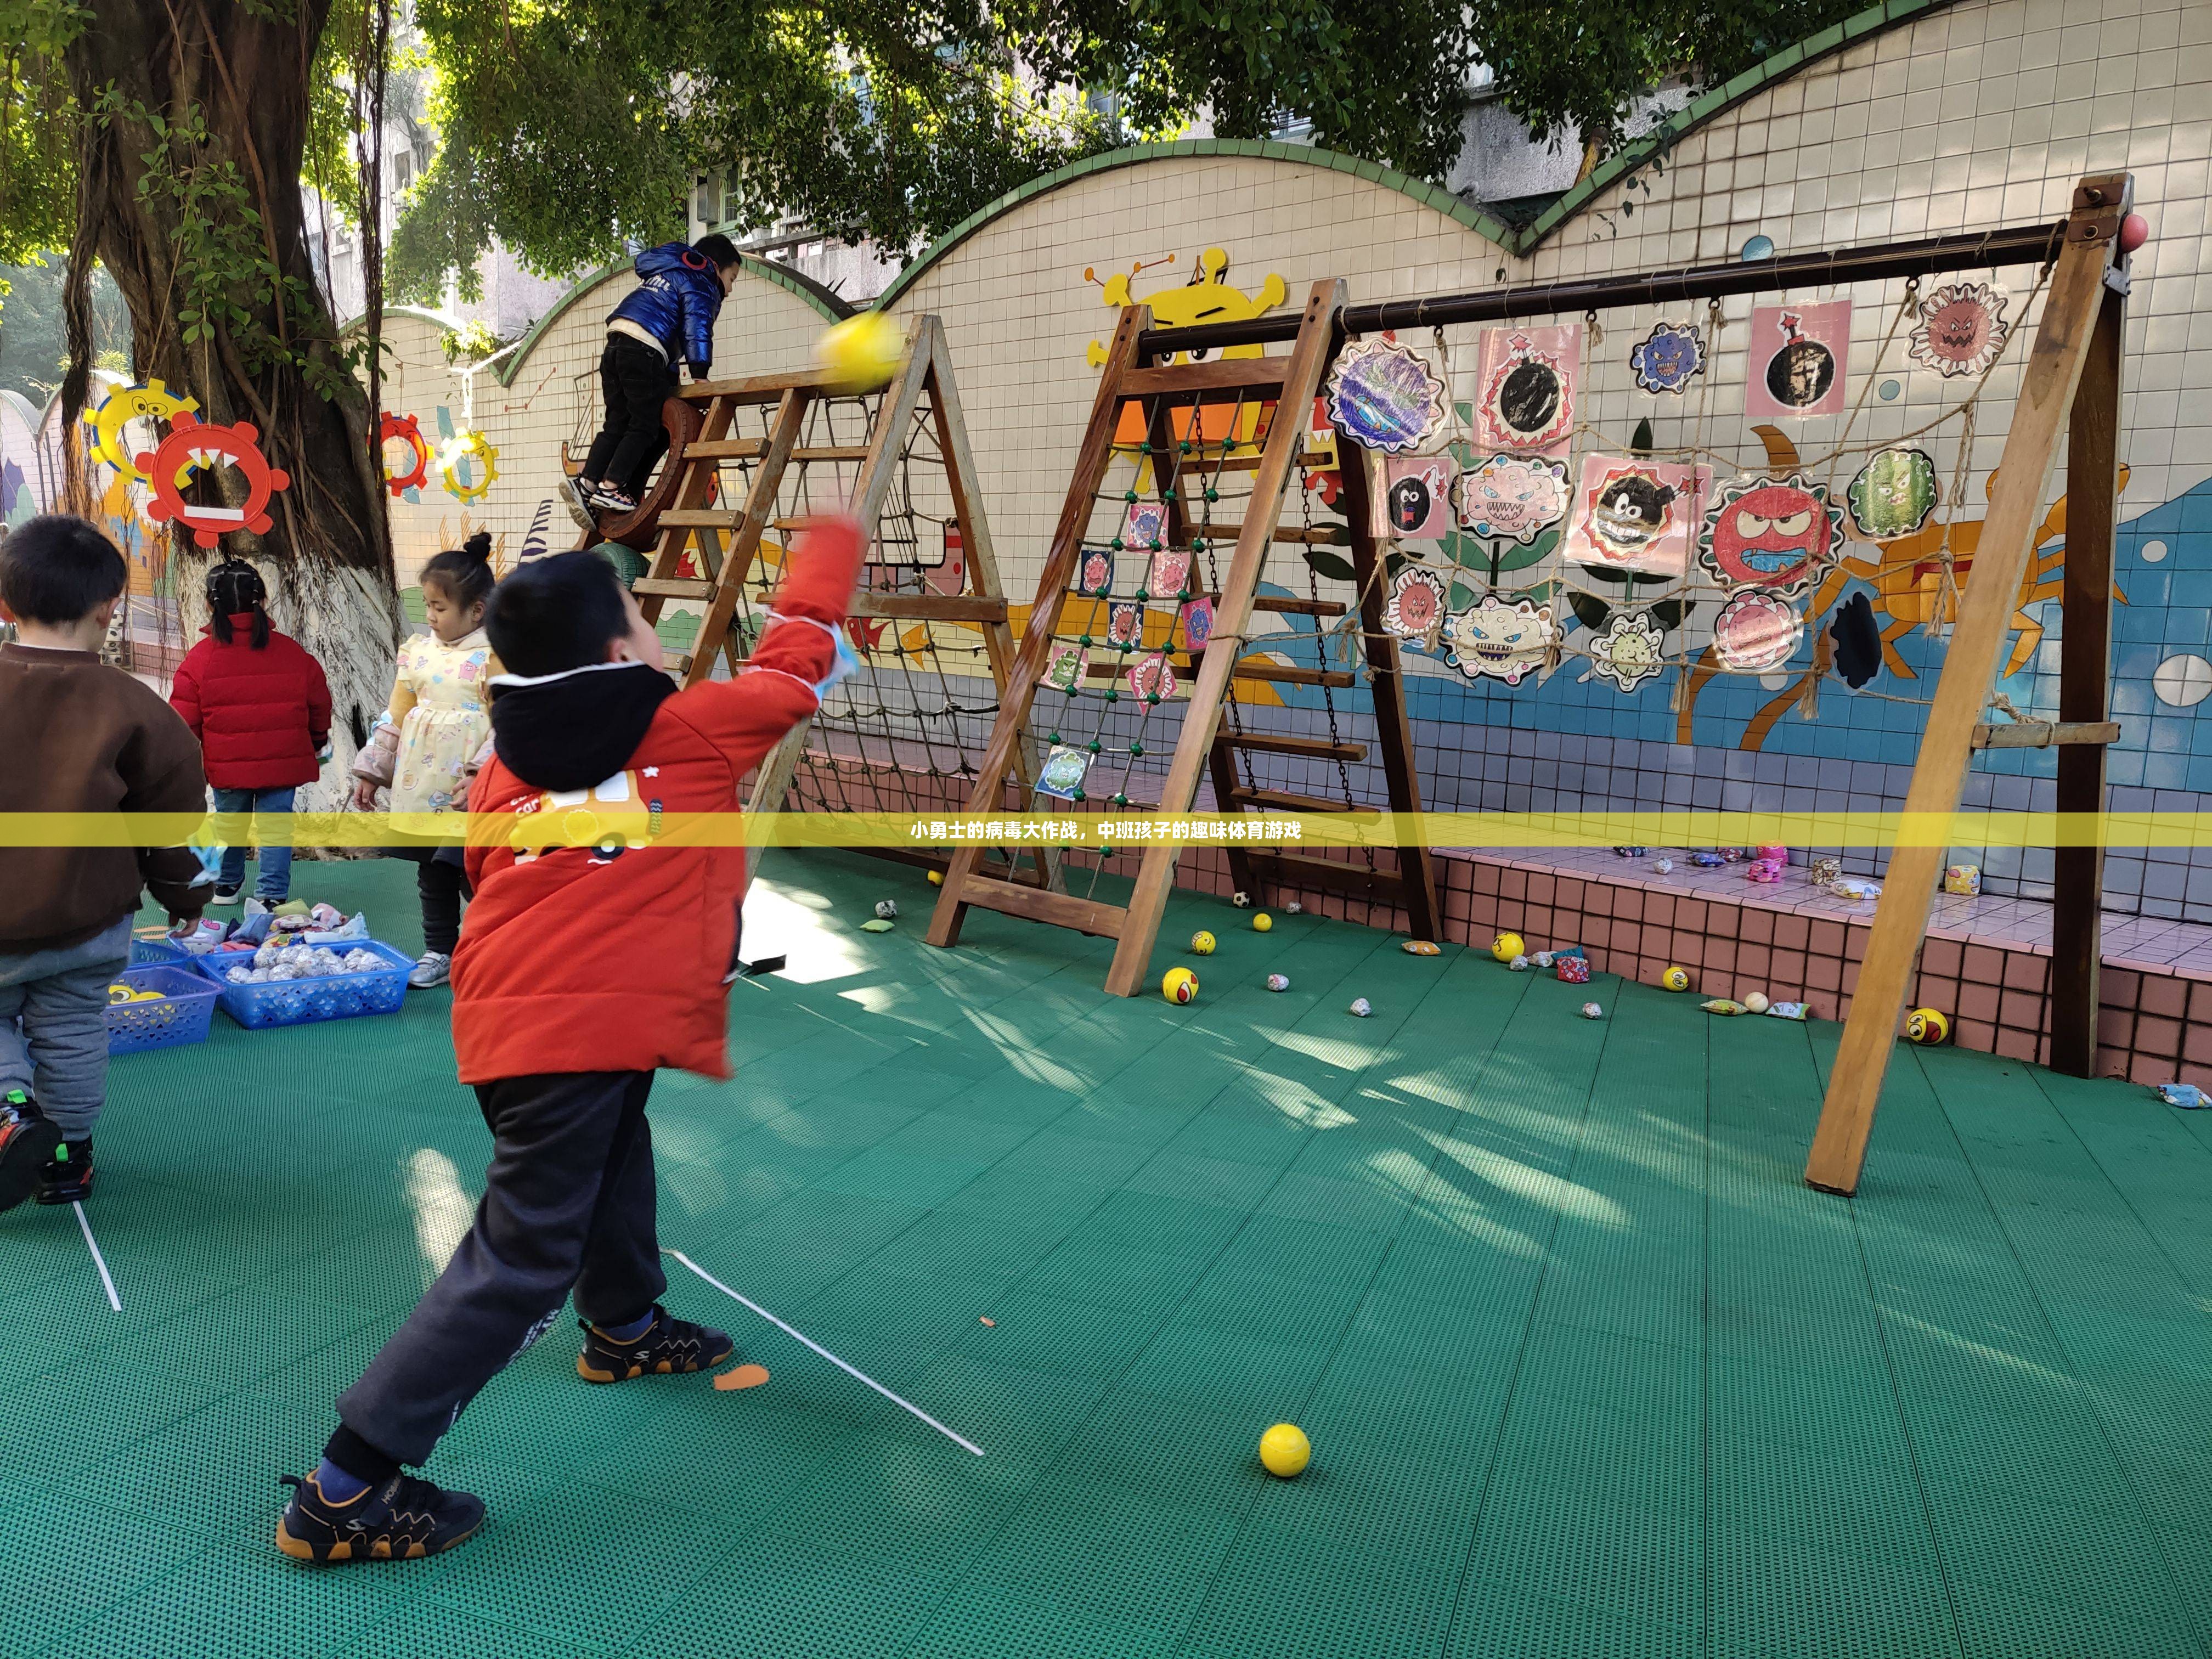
[(195, 124)]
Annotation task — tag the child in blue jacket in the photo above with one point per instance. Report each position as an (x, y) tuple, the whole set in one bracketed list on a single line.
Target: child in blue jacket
[(668, 319)]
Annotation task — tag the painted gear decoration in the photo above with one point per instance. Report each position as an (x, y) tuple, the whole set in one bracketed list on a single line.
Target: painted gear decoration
[(121, 406), (475, 446), (408, 428), (191, 443)]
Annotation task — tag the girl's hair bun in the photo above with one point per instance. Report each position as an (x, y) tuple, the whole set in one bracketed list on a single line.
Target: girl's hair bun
[(479, 546)]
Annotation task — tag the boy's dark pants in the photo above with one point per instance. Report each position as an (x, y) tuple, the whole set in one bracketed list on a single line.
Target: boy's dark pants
[(635, 381), (568, 1201)]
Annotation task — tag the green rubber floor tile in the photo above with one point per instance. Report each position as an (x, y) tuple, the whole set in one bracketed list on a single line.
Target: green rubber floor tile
[(2002, 1622), (1786, 1596), (424, 1627), (1063, 1153), (1038, 1331), (65, 1568), (1500, 1621), (762, 1602), (1138, 1443), (1146, 1284), (1286, 1592), (1597, 1543), (1106, 1557), (983, 1621), (1027, 1200), (1203, 1366)]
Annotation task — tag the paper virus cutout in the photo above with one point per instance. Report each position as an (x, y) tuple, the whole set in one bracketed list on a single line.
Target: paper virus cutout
[(192, 443), (1962, 329), (1497, 640), (1892, 494), (126, 404), (1778, 534), (1382, 395), (1629, 652), (1756, 632), (1415, 610), (1669, 358), (407, 429), (471, 446), (1513, 497)]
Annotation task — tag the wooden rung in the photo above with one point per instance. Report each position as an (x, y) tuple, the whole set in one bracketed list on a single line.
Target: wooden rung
[(671, 588), (679, 663), (1114, 671), (1036, 904), (2045, 734), (1225, 374), (1315, 536), (759, 388), (1290, 801), (1311, 748), (832, 452), (1284, 604), (930, 607), (1328, 875), (724, 449), (1247, 669), (703, 518)]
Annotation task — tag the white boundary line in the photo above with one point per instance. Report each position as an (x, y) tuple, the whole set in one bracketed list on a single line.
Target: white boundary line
[(98, 1259), (787, 1330)]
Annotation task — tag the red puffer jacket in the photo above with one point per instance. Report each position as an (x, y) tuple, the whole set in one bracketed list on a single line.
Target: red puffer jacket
[(614, 953), (260, 715)]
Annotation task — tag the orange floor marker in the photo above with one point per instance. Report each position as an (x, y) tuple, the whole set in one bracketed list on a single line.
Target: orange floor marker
[(745, 1376)]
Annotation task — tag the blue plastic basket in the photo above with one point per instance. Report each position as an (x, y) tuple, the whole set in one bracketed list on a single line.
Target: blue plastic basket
[(304, 1001), (156, 953), (181, 1016)]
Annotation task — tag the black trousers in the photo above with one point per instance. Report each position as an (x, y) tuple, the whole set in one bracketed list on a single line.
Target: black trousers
[(635, 381), (442, 884), (568, 1203)]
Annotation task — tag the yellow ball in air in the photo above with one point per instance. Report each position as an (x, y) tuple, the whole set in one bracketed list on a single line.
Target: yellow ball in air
[(1506, 946), (1676, 979), (862, 353), (1179, 985), (1262, 922), (1202, 942), (1284, 1451)]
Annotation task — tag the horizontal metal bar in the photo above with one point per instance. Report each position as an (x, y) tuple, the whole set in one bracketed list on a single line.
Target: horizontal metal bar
[(2019, 245)]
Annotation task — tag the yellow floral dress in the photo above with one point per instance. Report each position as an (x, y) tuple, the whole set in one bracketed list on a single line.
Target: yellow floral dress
[(438, 708)]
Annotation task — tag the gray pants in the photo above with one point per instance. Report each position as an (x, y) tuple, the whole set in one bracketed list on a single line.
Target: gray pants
[(53, 1025), (569, 1202)]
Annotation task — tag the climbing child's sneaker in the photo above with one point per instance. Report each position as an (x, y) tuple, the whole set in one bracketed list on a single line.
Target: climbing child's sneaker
[(27, 1146), (395, 1520), (667, 1345)]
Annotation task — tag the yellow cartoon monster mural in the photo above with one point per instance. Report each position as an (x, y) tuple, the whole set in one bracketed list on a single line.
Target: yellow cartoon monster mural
[(1206, 298)]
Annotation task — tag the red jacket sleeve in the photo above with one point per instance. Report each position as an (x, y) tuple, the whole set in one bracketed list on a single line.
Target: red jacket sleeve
[(318, 699), (747, 717), (184, 688)]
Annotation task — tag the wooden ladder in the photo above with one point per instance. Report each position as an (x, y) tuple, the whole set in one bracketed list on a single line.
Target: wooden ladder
[(2071, 385), (681, 514), (1291, 383)]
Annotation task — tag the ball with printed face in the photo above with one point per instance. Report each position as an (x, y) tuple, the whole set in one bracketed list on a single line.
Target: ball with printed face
[(1202, 942), (1179, 985)]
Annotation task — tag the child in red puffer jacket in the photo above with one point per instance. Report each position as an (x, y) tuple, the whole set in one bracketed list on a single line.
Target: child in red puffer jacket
[(261, 709)]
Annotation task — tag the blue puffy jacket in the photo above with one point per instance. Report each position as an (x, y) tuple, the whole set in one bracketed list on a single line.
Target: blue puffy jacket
[(675, 302)]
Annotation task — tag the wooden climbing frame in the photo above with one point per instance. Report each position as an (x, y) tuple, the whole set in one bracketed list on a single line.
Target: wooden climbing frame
[(1287, 386), (692, 516)]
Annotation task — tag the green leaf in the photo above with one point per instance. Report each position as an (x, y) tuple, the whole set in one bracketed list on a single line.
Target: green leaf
[(1590, 610), (1334, 565)]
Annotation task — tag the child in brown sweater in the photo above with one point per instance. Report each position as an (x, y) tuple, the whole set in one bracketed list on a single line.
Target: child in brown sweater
[(76, 736)]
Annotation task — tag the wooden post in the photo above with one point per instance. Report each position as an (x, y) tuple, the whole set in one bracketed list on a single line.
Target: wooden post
[(2055, 364), (1301, 383), (2093, 510), (1394, 727)]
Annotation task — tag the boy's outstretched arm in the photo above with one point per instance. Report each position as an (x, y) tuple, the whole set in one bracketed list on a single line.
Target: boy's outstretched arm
[(797, 655)]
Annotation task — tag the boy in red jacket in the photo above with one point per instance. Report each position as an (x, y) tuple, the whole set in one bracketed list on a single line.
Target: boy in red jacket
[(599, 949), (261, 708)]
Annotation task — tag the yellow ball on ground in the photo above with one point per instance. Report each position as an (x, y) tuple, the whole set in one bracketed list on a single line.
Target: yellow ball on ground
[(1927, 1025), (1202, 942), (1506, 946), (1284, 1451), (862, 353), (1179, 985), (1676, 979), (1262, 922), (937, 878)]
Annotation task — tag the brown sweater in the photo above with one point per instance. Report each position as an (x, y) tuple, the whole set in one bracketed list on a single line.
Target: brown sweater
[(77, 736)]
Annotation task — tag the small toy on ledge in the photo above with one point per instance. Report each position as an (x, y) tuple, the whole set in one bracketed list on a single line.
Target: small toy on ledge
[(1572, 966), (1768, 866), (1963, 880), (1826, 872), (1632, 852), (1663, 866), (1707, 861)]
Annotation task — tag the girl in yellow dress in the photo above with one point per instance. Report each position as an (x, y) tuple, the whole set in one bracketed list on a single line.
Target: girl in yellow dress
[(433, 737)]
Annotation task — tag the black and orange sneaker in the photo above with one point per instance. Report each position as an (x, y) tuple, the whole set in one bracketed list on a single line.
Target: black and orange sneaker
[(668, 1345), (396, 1520), (27, 1146), (66, 1178)]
